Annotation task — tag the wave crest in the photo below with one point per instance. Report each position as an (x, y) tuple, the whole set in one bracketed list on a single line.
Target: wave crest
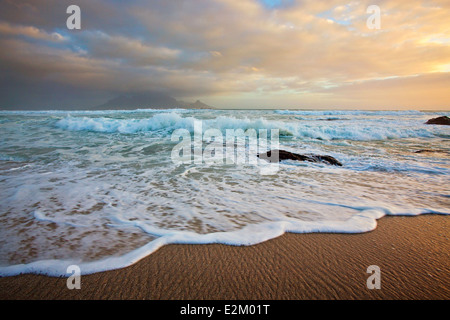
[(168, 122)]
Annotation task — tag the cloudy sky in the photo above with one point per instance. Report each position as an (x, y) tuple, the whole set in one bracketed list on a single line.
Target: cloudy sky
[(228, 53)]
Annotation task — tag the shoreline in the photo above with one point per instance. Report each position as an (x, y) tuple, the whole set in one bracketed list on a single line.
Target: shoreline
[(413, 254)]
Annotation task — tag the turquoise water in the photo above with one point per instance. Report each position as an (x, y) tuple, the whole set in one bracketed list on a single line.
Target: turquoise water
[(101, 189)]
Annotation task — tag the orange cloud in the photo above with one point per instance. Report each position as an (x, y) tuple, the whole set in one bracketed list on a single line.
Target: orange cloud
[(318, 53)]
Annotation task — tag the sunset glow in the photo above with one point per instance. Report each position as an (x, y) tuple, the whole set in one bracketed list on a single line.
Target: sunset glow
[(231, 54)]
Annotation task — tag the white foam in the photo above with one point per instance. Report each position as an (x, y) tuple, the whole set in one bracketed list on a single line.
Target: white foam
[(380, 130), (348, 112), (105, 201), (158, 122), (250, 235), (4, 157)]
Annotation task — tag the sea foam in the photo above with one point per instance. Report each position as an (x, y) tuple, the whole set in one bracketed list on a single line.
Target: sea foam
[(254, 234), (99, 189), (300, 129)]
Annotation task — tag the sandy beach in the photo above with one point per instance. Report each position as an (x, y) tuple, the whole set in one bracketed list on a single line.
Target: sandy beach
[(412, 253)]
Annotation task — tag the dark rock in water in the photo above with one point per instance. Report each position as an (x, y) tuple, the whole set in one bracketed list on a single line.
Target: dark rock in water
[(286, 155), (430, 151), (444, 120), (332, 119), (424, 151)]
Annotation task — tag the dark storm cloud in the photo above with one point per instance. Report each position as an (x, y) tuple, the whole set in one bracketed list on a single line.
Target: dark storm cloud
[(295, 51)]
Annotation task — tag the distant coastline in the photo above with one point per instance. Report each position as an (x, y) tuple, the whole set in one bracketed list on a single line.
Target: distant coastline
[(130, 101)]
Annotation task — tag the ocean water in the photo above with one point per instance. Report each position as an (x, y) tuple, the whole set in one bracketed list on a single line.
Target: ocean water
[(101, 189)]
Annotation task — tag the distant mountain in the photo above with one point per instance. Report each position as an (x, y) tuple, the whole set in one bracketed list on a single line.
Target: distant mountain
[(148, 100), (196, 105)]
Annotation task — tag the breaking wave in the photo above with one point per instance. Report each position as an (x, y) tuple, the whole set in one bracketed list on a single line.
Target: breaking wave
[(334, 130)]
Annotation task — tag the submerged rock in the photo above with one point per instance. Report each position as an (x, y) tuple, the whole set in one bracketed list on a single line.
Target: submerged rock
[(444, 120), (430, 151), (286, 155)]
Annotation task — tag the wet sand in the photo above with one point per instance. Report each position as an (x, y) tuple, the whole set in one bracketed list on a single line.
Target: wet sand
[(413, 254)]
